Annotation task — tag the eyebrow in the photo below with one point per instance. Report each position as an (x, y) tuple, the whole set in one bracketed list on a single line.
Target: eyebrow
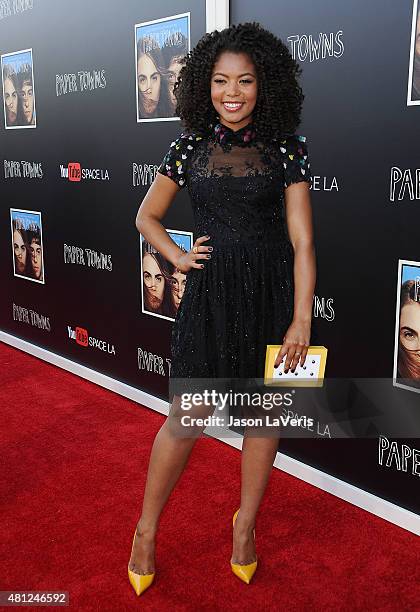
[(241, 75)]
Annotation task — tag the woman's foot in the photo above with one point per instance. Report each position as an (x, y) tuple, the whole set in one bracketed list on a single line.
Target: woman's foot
[(243, 551), (142, 560)]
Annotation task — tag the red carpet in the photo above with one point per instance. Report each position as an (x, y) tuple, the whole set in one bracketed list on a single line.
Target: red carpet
[(74, 459)]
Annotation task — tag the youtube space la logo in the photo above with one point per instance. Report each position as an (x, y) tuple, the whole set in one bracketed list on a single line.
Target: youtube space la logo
[(74, 173)]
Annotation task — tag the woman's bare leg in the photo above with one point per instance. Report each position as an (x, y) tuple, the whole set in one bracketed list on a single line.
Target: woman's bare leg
[(169, 456), (257, 460)]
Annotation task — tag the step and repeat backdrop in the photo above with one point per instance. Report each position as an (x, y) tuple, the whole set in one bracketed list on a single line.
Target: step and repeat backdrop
[(88, 114), (361, 79)]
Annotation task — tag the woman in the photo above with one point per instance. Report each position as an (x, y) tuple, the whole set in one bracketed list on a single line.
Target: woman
[(152, 96), (21, 250), (12, 101), (240, 101), (157, 286), (409, 333)]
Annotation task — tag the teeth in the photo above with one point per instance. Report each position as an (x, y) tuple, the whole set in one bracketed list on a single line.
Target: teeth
[(232, 105)]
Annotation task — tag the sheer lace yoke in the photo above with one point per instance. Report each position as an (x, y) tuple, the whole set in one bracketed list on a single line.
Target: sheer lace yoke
[(215, 159)]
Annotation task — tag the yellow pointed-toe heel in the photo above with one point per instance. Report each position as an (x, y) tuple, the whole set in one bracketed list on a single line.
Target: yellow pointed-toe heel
[(244, 572), (139, 582)]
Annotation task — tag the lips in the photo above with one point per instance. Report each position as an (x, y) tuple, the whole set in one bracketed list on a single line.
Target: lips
[(232, 106)]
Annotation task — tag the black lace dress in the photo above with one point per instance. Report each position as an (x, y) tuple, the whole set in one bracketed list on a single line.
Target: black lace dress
[(243, 298)]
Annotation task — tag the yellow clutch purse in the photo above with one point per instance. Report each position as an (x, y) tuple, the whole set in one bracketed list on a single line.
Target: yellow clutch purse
[(311, 374)]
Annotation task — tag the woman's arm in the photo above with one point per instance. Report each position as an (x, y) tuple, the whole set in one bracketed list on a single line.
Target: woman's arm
[(158, 199), (153, 208), (300, 228)]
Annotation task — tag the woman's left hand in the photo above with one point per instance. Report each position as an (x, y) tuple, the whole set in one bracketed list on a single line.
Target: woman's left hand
[(295, 345)]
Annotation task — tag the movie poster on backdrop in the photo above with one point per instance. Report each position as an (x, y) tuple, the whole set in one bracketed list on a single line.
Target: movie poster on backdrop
[(18, 90), (413, 94), (162, 283), (407, 327), (160, 45), (27, 245)]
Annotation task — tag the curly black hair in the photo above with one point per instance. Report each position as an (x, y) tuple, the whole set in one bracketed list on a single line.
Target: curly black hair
[(278, 108)]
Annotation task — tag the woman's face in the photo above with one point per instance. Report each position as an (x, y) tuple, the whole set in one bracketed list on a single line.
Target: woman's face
[(153, 280), (410, 326), (11, 100), (234, 80), (19, 248), (149, 81), (417, 46), (178, 286)]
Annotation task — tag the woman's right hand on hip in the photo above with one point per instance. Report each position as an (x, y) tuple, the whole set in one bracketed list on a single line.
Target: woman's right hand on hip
[(189, 260)]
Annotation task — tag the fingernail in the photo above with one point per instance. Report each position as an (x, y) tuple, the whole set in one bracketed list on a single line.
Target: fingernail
[(202, 265), (210, 248), (208, 256)]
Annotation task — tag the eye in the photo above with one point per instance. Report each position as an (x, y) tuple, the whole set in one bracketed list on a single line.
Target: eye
[(242, 81)]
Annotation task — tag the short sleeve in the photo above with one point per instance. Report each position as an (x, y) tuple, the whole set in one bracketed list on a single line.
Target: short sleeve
[(174, 163), (296, 163)]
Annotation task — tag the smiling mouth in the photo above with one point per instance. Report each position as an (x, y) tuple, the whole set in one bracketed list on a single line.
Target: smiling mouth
[(232, 106)]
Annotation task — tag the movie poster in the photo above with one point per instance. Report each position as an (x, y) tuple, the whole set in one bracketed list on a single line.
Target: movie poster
[(27, 249), (18, 89), (160, 45), (413, 96), (162, 284), (407, 328)]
